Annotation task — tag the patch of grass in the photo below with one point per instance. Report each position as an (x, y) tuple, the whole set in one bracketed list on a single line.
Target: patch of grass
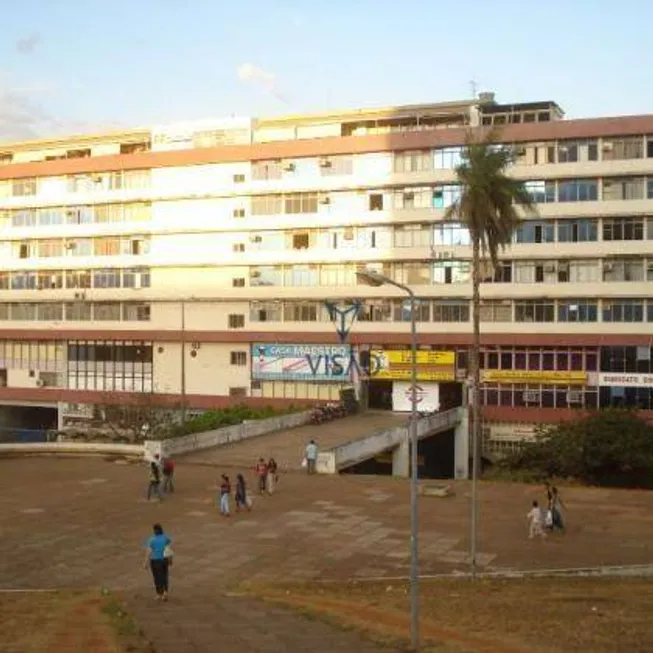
[(120, 621), (538, 615)]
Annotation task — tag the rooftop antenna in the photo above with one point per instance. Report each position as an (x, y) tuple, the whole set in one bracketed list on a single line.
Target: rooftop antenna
[(473, 85)]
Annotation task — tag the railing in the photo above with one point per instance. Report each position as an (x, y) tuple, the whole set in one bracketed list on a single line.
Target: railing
[(9, 434), (357, 450)]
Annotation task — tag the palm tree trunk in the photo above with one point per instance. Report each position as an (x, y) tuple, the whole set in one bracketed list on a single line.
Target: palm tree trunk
[(475, 423)]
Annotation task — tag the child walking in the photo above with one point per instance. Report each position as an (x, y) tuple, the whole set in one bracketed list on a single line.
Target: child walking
[(535, 521)]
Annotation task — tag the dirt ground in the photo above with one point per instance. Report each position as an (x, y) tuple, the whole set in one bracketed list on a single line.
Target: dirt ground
[(537, 615), (62, 622)]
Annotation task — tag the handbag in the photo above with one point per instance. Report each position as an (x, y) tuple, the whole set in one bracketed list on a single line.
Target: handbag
[(168, 554)]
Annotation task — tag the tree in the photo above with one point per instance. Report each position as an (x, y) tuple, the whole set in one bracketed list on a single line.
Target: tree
[(137, 419), (487, 206), (612, 447)]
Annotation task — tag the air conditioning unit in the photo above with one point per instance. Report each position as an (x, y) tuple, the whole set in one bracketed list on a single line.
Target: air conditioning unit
[(289, 167), (255, 239), (608, 267), (325, 163), (607, 147), (550, 267), (563, 267), (444, 255), (531, 396), (71, 245), (80, 295), (40, 383), (520, 151), (325, 200)]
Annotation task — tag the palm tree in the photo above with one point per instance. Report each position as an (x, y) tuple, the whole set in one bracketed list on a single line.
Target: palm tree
[(487, 207)]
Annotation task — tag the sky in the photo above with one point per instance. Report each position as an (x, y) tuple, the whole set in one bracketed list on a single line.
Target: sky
[(89, 65)]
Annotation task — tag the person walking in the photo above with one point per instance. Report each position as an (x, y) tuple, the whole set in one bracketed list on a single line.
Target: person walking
[(242, 500), (311, 456), (535, 521), (262, 475), (225, 494), (556, 510), (271, 477), (168, 475), (154, 487), (159, 558)]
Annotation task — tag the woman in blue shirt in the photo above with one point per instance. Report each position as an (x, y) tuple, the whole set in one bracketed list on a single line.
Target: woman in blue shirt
[(159, 558)]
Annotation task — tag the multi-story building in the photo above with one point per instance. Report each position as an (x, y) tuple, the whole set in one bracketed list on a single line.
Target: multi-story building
[(193, 261)]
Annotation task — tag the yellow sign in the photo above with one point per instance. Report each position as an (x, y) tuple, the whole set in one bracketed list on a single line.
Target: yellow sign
[(547, 377), (397, 365)]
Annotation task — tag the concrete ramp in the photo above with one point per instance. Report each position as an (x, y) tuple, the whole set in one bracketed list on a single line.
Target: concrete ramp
[(396, 439)]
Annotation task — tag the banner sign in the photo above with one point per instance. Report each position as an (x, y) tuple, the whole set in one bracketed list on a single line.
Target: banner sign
[(546, 377), (301, 362), (397, 365), (626, 380)]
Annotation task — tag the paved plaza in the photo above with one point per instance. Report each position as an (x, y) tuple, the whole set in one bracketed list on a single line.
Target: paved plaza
[(82, 523)]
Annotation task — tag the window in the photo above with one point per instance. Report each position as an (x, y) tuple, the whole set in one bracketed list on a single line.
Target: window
[(623, 310), (451, 272), (413, 161), (238, 358), (23, 187), (625, 188), (300, 240), (300, 203), (584, 271), (300, 312), (50, 248), (78, 278), (448, 157), (238, 393), (530, 231), (412, 235), (496, 311), (538, 310), (106, 311), (451, 310), (265, 312), (502, 273), (579, 310), (238, 282), (376, 202), (413, 198), (402, 310), (264, 170), (79, 247), (414, 274), (574, 151), (578, 190), (238, 213), (78, 312), (379, 310), (136, 312), (238, 247), (445, 196), (236, 321), (136, 246), (50, 279), (23, 280), (451, 234), (50, 312), (541, 192), (109, 278), (617, 149), (623, 228), (25, 249), (301, 275), (107, 246), (577, 231), (239, 179), (265, 205), (623, 270), (136, 278), (22, 312)]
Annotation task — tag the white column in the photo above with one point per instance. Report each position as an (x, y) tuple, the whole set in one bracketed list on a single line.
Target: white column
[(400, 459)]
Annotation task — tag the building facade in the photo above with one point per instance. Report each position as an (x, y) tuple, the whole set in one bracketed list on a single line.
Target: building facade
[(192, 263)]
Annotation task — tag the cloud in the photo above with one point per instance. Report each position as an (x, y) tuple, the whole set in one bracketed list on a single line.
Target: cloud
[(249, 73), (28, 44), (21, 117)]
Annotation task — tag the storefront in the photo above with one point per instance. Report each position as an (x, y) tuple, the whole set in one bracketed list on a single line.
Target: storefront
[(390, 379)]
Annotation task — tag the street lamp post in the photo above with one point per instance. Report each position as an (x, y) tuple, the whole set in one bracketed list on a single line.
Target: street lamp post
[(372, 278)]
